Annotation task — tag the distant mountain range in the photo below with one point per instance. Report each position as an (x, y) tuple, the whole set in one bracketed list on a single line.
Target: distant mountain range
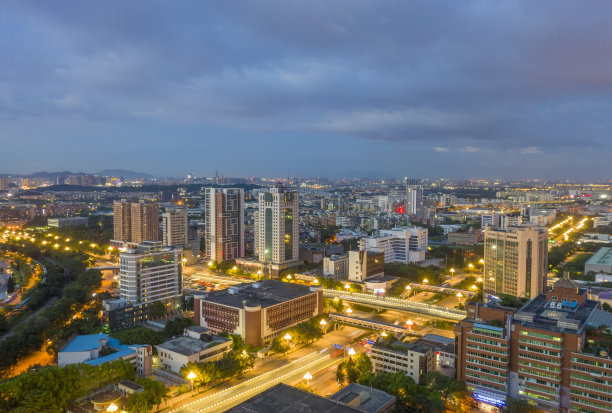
[(123, 173)]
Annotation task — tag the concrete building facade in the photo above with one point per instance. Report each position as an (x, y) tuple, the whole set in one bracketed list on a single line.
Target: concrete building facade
[(258, 312), (515, 261), (336, 266), (135, 222), (549, 352), (174, 227), (365, 264)]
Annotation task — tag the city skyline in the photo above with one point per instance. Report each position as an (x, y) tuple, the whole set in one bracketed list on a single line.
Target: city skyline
[(518, 90)]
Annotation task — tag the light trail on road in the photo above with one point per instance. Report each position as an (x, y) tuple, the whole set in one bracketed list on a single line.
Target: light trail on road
[(234, 395)]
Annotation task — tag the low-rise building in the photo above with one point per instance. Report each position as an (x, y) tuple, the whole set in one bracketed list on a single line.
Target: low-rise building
[(95, 349), (473, 237), (600, 262), (197, 345), (67, 222), (336, 266), (413, 359), (258, 312), (365, 264)]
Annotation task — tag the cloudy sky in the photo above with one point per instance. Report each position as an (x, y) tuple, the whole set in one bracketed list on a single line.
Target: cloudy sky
[(457, 89)]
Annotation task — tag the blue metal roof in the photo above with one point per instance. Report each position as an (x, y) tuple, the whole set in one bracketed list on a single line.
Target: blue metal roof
[(124, 350), (85, 343), (488, 327)]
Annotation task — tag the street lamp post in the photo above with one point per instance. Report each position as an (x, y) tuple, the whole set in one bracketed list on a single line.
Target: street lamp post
[(307, 377), (191, 376)]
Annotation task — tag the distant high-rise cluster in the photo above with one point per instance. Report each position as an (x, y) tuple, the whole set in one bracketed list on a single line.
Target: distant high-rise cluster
[(135, 221)]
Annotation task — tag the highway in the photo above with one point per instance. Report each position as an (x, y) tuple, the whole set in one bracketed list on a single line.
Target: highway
[(397, 304), (289, 373)]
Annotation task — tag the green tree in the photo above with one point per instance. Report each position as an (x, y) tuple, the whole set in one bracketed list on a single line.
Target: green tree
[(279, 345), (10, 285), (157, 310)]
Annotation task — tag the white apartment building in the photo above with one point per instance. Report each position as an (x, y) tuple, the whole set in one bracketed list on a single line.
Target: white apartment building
[(174, 227), (197, 345), (277, 234), (502, 221), (413, 360), (405, 244), (414, 200), (150, 273), (336, 266)]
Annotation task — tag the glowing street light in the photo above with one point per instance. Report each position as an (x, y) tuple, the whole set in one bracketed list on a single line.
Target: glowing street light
[(112, 408), (479, 279), (349, 311), (352, 352), (425, 280), (210, 263), (409, 323), (452, 271), (481, 261), (347, 286), (470, 266), (289, 277), (384, 334), (191, 376), (234, 268), (287, 337), (336, 299), (473, 287), (307, 377), (323, 323)]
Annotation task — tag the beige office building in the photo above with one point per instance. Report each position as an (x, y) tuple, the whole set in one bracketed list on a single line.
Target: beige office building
[(174, 227), (224, 224), (135, 222), (516, 261)]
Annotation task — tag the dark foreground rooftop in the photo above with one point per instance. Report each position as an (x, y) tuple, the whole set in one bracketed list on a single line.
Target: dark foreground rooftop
[(286, 399)]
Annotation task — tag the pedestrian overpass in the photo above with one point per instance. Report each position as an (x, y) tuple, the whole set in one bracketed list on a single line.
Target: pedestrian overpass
[(397, 304), (436, 289), (365, 323)]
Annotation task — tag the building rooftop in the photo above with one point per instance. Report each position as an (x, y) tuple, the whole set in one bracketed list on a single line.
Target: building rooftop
[(364, 398), (188, 346), (602, 257), (122, 350), (85, 343), (286, 399), (265, 293), (540, 313)]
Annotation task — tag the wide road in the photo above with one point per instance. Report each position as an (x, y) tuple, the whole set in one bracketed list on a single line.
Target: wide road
[(290, 373), (398, 304)]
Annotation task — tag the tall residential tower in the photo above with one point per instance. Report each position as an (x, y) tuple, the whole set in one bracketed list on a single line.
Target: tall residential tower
[(224, 224), (277, 234)]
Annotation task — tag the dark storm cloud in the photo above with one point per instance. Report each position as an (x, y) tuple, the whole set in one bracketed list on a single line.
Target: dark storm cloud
[(515, 79)]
